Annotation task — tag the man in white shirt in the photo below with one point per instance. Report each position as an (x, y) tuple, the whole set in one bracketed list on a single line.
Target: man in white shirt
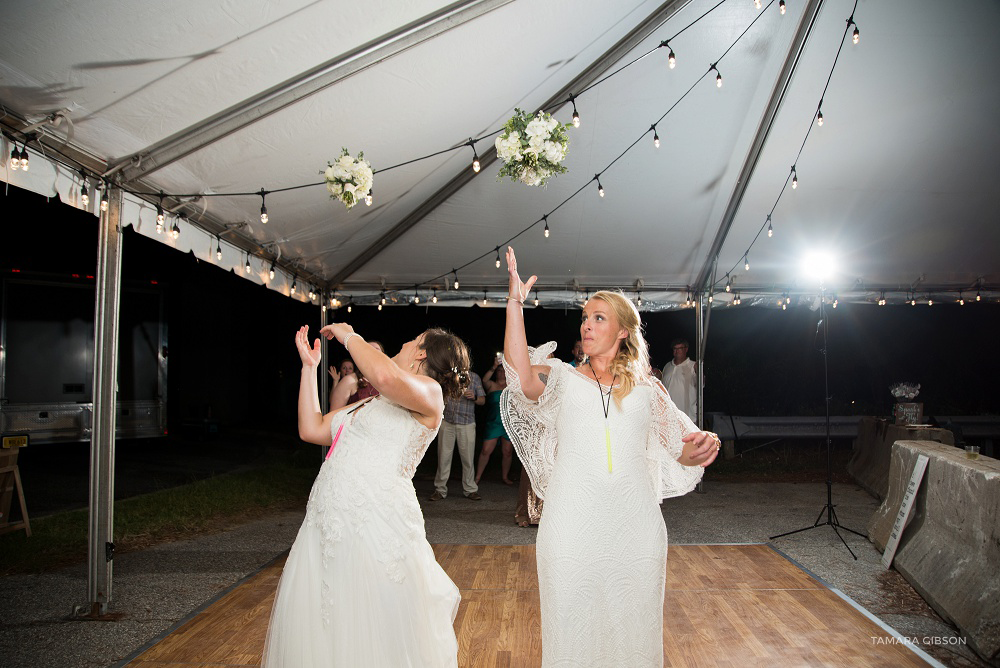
[(680, 378)]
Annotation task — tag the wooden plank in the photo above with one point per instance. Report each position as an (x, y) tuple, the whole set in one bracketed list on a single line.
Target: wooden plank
[(726, 605)]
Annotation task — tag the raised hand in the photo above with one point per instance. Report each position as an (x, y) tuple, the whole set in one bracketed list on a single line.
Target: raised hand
[(334, 374), (336, 330), (516, 289), (310, 356)]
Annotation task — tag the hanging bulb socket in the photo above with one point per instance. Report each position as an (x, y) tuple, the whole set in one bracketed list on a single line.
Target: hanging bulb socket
[(546, 230), (456, 278), (718, 75), (263, 206), (576, 114), (218, 249), (746, 262), (24, 158), (781, 7), (368, 198), (819, 118), (15, 159), (84, 194), (105, 200), (600, 188), (498, 257), (434, 297), (795, 178), (857, 35), (729, 283), (475, 157), (656, 137), (270, 272), (536, 297), (770, 229)]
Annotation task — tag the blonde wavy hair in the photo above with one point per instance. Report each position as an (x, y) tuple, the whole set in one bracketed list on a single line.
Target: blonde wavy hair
[(632, 361)]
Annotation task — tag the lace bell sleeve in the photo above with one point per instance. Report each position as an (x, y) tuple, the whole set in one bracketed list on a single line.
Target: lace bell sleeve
[(531, 425), (664, 446)]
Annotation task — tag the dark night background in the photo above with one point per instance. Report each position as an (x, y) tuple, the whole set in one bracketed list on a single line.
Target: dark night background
[(231, 351)]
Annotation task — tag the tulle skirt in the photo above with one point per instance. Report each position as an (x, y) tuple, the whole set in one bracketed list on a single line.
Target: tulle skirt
[(363, 594)]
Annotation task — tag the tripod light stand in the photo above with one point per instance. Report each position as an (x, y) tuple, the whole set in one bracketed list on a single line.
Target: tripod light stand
[(831, 514)]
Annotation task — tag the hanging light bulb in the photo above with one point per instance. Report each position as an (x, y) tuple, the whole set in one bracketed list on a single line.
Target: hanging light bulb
[(638, 298), (913, 301), (295, 284), (218, 249), (729, 283), (175, 231), (456, 278), (312, 295), (536, 297), (756, 4), (746, 262), (484, 297), (600, 188), (857, 35), (546, 230), (770, 229), (368, 197), (475, 158), (416, 297), (263, 206), (795, 178), (930, 302), (819, 118), (350, 306), (781, 7), (784, 307), (84, 195), (788, 300), (576, 114), (835, 301), (656, 137), (498, 256), (247, 267), (104, 198), (434, 297), (333, 302), (671, 59), (382, 298), (711, 298), (961, 299), (15, 159), (159, 215), (24, 158), (718, 78), (270, 272), (978, 297), (379, 307)]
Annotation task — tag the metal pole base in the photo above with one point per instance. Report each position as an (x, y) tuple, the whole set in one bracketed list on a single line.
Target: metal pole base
[(832, 522)]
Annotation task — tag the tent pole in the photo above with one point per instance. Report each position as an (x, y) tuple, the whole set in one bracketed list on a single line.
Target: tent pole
[(324, 362), (100, 552)]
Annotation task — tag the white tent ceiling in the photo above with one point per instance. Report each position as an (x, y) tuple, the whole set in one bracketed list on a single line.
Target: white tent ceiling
[(898, 183)]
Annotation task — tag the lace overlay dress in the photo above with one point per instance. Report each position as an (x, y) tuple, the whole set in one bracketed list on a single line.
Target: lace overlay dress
[(361, 586), (602, 543)]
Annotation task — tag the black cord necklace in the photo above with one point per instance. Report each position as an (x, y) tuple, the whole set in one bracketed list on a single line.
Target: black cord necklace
[(606, 407)]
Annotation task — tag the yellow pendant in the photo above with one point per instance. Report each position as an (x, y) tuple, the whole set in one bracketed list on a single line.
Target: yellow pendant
[(607, 442)]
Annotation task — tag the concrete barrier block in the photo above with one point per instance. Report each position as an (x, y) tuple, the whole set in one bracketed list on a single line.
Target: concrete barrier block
[(869, 464), (950, 550)]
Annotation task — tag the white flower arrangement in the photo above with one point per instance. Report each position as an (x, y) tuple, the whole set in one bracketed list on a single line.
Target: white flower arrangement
[(908, 391), (532, 148), (349, 179)]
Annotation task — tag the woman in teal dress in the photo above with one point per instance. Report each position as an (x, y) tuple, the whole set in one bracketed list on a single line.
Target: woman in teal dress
[(494, 382)]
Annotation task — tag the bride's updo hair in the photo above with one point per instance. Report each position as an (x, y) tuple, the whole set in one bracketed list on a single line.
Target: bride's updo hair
[(447, 361), (632, 361)]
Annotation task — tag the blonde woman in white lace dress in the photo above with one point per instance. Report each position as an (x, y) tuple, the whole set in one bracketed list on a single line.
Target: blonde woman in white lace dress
[(361, 586), (603, 446)]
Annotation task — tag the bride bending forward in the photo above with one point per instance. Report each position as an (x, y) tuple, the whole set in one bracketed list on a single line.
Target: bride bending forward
[(361, 586)]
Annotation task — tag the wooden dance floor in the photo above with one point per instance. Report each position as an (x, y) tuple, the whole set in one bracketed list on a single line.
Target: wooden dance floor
[(726, 605)]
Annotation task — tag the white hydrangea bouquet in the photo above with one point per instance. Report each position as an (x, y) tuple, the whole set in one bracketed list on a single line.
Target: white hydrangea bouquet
[(907, 391), (349, 179), (532, 148)]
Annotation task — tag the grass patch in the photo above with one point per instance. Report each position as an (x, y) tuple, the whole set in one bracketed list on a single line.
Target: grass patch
[(276, 481)]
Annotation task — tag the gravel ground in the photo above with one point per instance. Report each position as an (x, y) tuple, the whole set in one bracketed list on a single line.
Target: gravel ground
[(158, 587)]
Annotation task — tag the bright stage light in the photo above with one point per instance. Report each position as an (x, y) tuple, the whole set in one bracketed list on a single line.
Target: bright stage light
[(818, 265)]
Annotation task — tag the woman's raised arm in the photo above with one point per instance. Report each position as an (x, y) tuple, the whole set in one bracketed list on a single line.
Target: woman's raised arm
[(515, 345)]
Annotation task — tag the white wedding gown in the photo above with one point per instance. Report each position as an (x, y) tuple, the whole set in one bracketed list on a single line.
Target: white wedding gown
[(361, 586), (602, 543)]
